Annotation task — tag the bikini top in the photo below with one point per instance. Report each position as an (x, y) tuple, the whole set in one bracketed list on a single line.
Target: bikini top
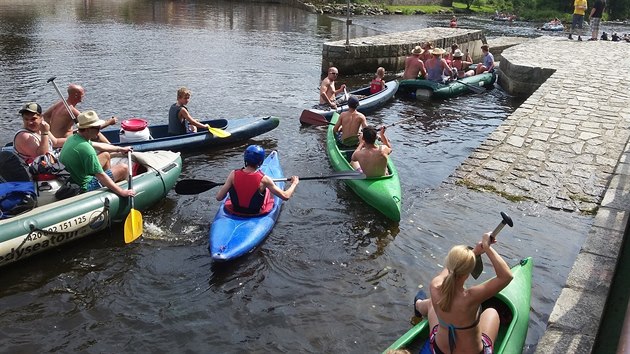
[(452, 336)]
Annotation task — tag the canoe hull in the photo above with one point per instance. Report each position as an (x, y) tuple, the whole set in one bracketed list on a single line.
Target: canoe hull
[(383, 193), (233, 236), (54, 224), (240, 129), (425, 88), (368, 103), (514, 300)]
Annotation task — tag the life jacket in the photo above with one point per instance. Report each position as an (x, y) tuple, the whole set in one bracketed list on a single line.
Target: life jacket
[(245, 197), (376, 85)]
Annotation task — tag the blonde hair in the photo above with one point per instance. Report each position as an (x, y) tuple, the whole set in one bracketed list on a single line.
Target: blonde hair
[(459, 261), (397, 351), (183, 92), (380, 71)]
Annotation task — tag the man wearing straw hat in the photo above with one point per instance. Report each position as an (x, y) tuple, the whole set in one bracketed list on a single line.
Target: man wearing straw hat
[(87, 169), (413, 65)]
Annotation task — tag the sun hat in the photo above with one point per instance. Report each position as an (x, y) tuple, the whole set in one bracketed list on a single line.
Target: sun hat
[(417, 50), (437, 51), (31, 107), (89, 119), (458, 54)]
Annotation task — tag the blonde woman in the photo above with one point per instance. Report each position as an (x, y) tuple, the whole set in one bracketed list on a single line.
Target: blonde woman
[(455, 315)]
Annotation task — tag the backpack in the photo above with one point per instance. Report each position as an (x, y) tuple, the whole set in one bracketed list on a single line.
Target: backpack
[(16, 198), (46, 167)]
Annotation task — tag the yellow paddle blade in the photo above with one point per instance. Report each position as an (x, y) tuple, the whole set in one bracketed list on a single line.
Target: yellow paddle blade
[(133, 226), (219, 133)]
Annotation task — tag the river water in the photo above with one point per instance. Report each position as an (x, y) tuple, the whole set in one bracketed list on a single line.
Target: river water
[(333, 276)]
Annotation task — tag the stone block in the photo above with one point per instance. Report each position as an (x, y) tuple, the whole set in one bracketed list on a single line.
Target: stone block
[(592, 272), (560, 342), (603, 242), (577, 311)]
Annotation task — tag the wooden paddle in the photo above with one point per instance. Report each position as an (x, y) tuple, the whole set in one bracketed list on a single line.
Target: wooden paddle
[(506, 220), (311, 118), (219, 133), (196, 186), (133, 223)]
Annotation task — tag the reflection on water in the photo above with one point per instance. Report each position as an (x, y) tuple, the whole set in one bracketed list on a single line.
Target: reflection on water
[(334, 275)]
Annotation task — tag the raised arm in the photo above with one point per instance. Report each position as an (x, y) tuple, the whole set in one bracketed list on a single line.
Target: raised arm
[(273, 188), (503, 277)]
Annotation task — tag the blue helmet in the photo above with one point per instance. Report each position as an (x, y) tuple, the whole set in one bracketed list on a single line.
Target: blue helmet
[(254, 155)]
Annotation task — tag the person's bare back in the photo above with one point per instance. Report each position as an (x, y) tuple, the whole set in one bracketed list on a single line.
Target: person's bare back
[(373, 160), (351, 121), (61, 124)]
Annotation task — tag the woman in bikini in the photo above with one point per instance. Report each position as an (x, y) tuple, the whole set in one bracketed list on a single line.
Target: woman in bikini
[(459, 325)]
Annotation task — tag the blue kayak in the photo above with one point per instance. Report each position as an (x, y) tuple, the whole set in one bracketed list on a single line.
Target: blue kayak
[(232, 236)]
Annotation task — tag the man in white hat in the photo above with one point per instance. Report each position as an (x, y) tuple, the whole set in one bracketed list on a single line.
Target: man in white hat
[(87, 169), (414, 65)]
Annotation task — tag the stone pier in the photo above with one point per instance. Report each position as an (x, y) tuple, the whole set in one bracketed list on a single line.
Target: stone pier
[(365, 54)]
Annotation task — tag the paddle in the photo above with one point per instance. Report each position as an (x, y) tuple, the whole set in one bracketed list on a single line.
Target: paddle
[(219, 133), (473, 88), (312, 118), (133, 223), (196, 186), (506, 220), (52, 79), (393, 124)]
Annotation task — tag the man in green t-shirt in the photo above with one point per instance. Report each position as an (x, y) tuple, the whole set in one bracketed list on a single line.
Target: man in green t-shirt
[(86, 168)]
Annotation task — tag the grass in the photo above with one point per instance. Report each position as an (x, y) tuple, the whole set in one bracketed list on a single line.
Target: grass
[(435, 9)]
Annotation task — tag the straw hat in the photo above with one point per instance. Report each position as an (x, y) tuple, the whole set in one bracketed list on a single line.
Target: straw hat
[(89, 119), (417, 50), (438, 51)]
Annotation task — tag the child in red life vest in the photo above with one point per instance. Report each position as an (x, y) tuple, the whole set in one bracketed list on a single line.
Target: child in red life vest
[(378, 83), (247, 186)]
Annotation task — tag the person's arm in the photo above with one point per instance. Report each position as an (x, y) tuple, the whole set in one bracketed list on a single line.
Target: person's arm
[(184, 113), (385, 141), (109, 183), (222, 193), (423, 70), (355, 154), (47, 135), (340, 89), (503, 277), (273, 188), (323, 93), (111, 121), (99, 146), (338, 125)]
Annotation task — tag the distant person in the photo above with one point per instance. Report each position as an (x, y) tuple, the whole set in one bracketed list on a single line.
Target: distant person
[(378, 83), (596, 16), (487, 66), (457, 320), (461, 66), (578, 18), (328, 92), (60, 121), (80, 158), (247, 186), (455, 47), (453, 23), (414, 66), (346, 129), (370, 158), (35, 138), (179, 119), (436, 66)]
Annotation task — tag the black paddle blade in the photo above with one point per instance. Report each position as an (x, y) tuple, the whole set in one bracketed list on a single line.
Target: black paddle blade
[(334, 175), (194, 186), (473, 88), (312, 118)]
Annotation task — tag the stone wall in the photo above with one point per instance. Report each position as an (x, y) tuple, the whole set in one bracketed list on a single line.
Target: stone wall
[(364, 55)]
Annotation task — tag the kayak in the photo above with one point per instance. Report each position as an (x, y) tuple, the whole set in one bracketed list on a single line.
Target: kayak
[(512, 303), (55, 222), (382, 193), (416, 88), (552, 27), (232, 236), (158, 139), (367, 102)]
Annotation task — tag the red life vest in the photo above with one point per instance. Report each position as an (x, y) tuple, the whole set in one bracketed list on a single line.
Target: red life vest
[(244, 194), (376, 85)]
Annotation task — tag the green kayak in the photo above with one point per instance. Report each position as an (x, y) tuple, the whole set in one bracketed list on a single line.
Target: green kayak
[(425, 88), (382, 193), (512, 303)]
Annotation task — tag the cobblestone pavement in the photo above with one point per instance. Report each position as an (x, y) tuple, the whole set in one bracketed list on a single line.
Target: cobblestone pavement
[(561, 146)]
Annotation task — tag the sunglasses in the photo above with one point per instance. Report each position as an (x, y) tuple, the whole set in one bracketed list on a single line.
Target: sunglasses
[(333, 74)]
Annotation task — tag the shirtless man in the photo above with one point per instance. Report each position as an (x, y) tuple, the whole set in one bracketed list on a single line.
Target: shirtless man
[(413, 65), (369, 158), (327, 91), (347, 127), (61, 124)]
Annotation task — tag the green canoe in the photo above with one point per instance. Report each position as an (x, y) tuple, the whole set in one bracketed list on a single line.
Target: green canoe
[(382, 193), (512, 303), (425, 88)]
